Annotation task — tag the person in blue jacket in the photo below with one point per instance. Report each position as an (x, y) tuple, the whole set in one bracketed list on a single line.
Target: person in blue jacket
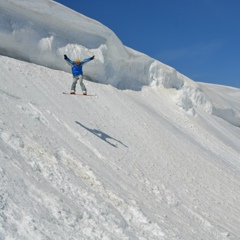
[(78, 73)]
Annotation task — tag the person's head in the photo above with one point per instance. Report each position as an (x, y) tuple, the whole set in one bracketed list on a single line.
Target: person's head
[(77, 61)]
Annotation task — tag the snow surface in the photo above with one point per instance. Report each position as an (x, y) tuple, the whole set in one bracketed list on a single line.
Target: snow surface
[(154, 155)]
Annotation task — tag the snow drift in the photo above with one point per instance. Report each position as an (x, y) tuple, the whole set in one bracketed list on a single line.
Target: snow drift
[(154, 155)]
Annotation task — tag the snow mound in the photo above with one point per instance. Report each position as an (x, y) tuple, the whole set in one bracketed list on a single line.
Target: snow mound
[(42, 32), (227, 110)]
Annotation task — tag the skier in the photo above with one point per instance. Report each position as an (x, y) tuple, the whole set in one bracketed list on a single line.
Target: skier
[(78, 73)]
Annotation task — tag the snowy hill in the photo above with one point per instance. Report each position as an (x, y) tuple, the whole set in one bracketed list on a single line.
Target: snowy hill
[(154, 155)]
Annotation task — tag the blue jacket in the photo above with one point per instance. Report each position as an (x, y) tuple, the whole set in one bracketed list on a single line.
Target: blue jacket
[(77, 69)]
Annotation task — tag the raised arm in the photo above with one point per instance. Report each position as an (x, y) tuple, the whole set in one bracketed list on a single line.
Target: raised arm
[(87, 60), (68, 60)]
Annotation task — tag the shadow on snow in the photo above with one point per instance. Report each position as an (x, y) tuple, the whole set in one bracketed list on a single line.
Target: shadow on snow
[(102, 135)]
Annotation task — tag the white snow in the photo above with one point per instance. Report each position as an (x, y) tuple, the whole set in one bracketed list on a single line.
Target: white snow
[(154, 155)]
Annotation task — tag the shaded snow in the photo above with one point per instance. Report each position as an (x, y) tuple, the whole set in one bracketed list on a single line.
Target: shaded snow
[(154, 155)]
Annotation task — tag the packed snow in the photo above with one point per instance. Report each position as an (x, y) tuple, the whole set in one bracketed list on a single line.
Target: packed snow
[(152, 155)]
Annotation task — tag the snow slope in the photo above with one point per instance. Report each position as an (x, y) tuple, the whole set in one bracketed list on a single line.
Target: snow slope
[(154, 155)]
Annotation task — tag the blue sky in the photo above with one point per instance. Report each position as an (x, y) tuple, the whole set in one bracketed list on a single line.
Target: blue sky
[(199, 38)]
